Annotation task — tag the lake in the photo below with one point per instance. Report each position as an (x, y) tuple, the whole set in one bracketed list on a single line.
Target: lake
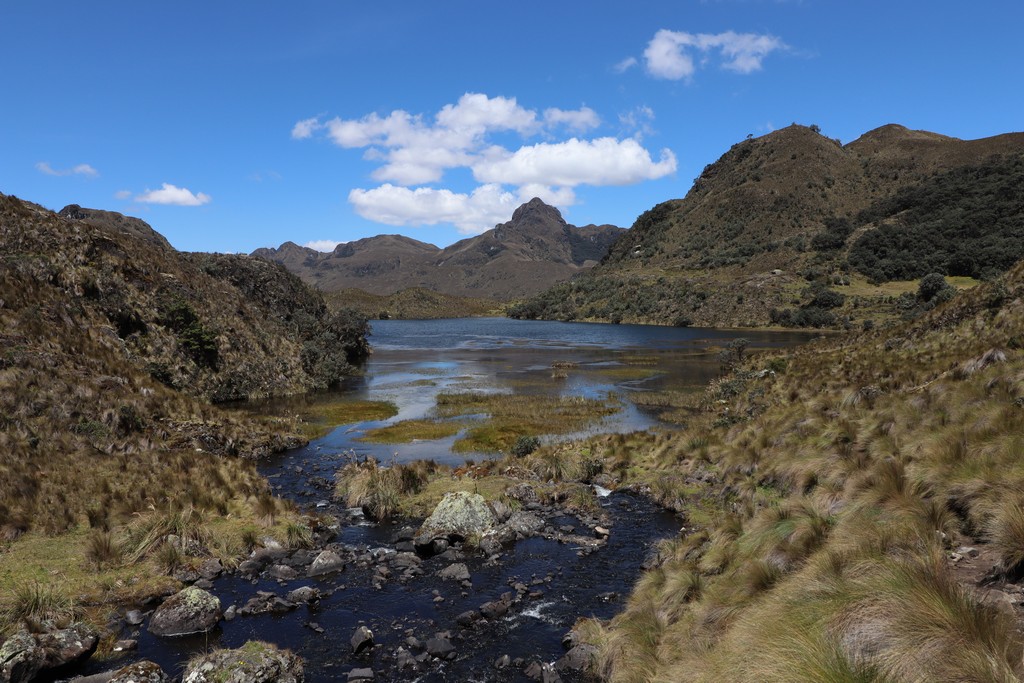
[(414, 361)]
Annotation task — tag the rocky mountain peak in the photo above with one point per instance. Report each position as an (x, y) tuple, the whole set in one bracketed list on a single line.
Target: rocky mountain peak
[(536, 211)]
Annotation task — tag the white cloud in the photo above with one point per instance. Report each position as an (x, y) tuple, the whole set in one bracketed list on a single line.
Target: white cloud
[(412, 151), (579, 120), (81, 169), (472, 214), (670, 54), (625, 65), (169, 194), (322, 245), (305, 128), (604, 161), (123, 194)]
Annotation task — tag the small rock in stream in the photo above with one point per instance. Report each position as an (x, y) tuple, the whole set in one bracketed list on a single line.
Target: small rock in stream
[(361, 640)]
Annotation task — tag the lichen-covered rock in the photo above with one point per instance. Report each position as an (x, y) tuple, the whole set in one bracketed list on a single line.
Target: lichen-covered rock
[(24, 655), (254, 662), (458, 516), (21, 658), (140, 672), (326, 562), (191, 610)]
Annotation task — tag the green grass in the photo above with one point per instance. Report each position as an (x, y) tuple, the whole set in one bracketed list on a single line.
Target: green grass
[(513, 415), (408, 431), (322, 417)]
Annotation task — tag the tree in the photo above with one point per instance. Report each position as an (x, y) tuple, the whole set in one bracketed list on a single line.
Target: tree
[(931, 285)]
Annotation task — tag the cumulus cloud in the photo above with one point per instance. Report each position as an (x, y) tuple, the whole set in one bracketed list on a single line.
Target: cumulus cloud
[(472, 213), (671, 54), (305, 128), (322, 245), (176, 196), (81, 169), (604, 161), (414, 151)]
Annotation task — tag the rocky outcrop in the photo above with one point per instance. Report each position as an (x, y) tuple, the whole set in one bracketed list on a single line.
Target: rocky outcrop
[(140, 672), (459, 516), (254, 662), (25, 656), (191, 610)]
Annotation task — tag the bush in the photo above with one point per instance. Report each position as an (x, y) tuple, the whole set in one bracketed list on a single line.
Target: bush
[(931, 285), (525, 445)]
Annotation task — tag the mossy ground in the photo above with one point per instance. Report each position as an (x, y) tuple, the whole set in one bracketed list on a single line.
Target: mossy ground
[(408, 431), (510, 416)]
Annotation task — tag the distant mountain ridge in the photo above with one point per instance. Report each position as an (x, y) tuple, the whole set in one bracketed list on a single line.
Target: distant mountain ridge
[(531, 252), (784, 211)]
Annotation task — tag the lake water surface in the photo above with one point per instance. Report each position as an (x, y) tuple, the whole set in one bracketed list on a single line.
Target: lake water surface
[(415, 360)]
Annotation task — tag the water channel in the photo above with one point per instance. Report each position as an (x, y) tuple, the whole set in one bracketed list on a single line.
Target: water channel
[(412, 362)]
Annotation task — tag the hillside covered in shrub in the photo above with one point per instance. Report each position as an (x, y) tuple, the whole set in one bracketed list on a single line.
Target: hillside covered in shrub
[(780, 216), (114, 345)]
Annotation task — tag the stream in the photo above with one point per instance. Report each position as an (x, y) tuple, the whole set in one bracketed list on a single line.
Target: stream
[(552, 582)]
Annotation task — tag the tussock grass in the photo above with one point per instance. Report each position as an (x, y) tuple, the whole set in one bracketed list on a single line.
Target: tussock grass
[(821, 505), (35, 602), (381, 491)]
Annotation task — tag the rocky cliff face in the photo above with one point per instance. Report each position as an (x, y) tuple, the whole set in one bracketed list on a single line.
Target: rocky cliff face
[(532, 251)]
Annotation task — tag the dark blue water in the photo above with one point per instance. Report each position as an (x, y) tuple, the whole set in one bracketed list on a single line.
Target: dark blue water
[(503, 333)]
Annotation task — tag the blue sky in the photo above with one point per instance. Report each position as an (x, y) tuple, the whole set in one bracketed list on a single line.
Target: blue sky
[(234, 125)]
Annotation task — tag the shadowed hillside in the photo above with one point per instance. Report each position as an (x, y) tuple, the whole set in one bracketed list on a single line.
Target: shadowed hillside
[(113, 344)]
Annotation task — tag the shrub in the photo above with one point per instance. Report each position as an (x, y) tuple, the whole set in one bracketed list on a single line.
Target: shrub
[(525, 445)]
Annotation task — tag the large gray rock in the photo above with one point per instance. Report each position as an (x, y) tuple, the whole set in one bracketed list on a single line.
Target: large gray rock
[(254, 662), (458, 516), (326, 562), (24, 655), (582, 657), (525, 523), (455, 572), (191, 610)]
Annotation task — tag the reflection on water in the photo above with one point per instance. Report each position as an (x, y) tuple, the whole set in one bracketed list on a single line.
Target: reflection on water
[(415, 360)]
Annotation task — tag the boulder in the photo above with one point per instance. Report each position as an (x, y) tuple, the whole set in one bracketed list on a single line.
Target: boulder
[(458, 516), (24, 655), (326, 562), (524, 523), (140, 672), (254, 662), (361, 640), (440, 647), (191, 610), (264, 602), (524, 493), (455, 572), (306, 595), (360, 675), (580, 658), (211, 569), (282, 572)]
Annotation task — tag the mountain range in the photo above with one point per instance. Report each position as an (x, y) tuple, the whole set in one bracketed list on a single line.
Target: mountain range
[(533, 251), (779, 217)]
